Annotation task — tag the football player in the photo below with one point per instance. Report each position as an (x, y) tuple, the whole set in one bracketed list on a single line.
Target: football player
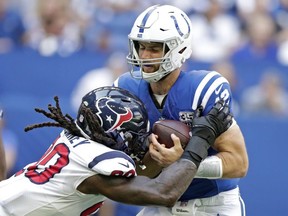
[(160, 42), (94, 158)]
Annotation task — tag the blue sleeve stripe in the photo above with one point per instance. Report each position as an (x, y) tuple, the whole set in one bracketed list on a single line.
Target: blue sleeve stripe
[(200, 88), (211, 90), (110, 155)]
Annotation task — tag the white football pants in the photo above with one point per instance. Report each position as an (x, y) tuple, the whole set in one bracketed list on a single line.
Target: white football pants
[(228, 203)]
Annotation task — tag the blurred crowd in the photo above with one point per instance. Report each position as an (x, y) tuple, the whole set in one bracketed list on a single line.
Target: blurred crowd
[(245, 41), (220, 27), (224, 32)]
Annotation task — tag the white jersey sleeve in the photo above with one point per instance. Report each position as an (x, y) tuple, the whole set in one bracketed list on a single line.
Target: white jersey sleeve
[(49, 186)]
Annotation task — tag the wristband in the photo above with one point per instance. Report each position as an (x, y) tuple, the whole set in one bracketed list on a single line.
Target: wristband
[(196, 150), (1, 114), (210, 168)]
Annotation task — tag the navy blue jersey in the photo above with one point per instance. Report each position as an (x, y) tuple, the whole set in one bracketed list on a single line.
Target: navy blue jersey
[(191, 90)]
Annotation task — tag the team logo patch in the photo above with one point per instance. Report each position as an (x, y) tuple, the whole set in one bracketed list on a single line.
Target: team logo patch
[(112, 115)]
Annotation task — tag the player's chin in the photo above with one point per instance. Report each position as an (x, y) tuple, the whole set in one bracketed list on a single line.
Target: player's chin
[(149, 69)]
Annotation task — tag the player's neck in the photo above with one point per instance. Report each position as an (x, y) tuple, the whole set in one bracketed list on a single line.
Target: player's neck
[(163, 86)]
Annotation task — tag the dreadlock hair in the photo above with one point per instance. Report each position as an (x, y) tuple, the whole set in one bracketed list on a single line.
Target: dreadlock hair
[(68, 123)]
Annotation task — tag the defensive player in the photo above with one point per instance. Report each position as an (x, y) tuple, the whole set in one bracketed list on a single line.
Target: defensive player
[(93, 158), (160, 42)]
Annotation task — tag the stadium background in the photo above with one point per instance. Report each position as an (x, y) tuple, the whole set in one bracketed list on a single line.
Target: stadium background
[(29, 79)]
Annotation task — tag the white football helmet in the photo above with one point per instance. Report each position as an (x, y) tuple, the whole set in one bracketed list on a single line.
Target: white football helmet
[(165, 24)]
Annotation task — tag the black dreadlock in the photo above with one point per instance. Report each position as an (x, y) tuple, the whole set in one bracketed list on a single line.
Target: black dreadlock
[(68, 123)]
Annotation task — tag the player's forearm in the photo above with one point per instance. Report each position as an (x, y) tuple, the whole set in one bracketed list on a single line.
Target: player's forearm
[(172, 182), (164, 190), (232, 152), (234, 166)]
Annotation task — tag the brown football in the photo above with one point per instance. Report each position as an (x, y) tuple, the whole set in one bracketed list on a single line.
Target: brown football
[(164, 128)]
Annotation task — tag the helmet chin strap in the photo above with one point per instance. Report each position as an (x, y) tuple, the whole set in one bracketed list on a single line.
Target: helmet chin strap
[(155, 76)]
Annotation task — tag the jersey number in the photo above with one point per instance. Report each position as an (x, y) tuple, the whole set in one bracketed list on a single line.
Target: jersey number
[(38, 176), (224, 95)]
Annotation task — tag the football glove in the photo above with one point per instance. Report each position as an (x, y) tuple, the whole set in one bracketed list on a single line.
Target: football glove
[(205, 129), (217, 121)]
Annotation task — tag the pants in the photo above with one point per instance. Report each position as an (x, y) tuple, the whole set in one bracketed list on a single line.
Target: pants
[(228, 203)]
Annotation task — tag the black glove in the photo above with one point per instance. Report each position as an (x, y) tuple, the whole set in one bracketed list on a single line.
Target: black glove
[(206, 129), (217, 121)]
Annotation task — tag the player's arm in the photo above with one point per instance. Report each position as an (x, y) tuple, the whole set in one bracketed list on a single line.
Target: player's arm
[(159, 157), (232, 152), (162, 156), (164, 190), (2, 154), (231, 161)]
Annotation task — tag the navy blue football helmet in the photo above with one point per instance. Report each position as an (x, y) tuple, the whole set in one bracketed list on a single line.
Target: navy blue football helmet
[(122, 116)]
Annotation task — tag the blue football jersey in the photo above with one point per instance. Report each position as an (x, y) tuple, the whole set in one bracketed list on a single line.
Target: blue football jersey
[(191, 90)]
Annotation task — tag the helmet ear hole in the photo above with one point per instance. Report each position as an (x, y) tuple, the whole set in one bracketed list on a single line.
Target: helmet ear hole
[(166, 49), (181, 51), (125, 100), (128, 136), (136, 45)]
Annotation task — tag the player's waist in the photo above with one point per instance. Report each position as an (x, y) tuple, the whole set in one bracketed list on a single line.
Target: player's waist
[(189, 207), (202, 188)]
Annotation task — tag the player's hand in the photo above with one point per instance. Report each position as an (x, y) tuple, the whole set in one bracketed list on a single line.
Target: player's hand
[(209, 127), (162, 155), (205, 130)]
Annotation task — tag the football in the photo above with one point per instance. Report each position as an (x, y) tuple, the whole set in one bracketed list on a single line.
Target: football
[(164, 128)]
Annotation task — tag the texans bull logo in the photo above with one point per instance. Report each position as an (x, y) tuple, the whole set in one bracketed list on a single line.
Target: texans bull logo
[(112, 115)]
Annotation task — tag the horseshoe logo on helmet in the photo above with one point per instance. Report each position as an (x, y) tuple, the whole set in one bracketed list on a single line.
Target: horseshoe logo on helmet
[(178, 28)]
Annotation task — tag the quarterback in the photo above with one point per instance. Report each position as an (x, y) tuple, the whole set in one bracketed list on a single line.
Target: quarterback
[(160, 42)]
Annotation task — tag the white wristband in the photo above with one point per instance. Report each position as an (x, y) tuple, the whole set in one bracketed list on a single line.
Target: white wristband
[(210, 168)]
